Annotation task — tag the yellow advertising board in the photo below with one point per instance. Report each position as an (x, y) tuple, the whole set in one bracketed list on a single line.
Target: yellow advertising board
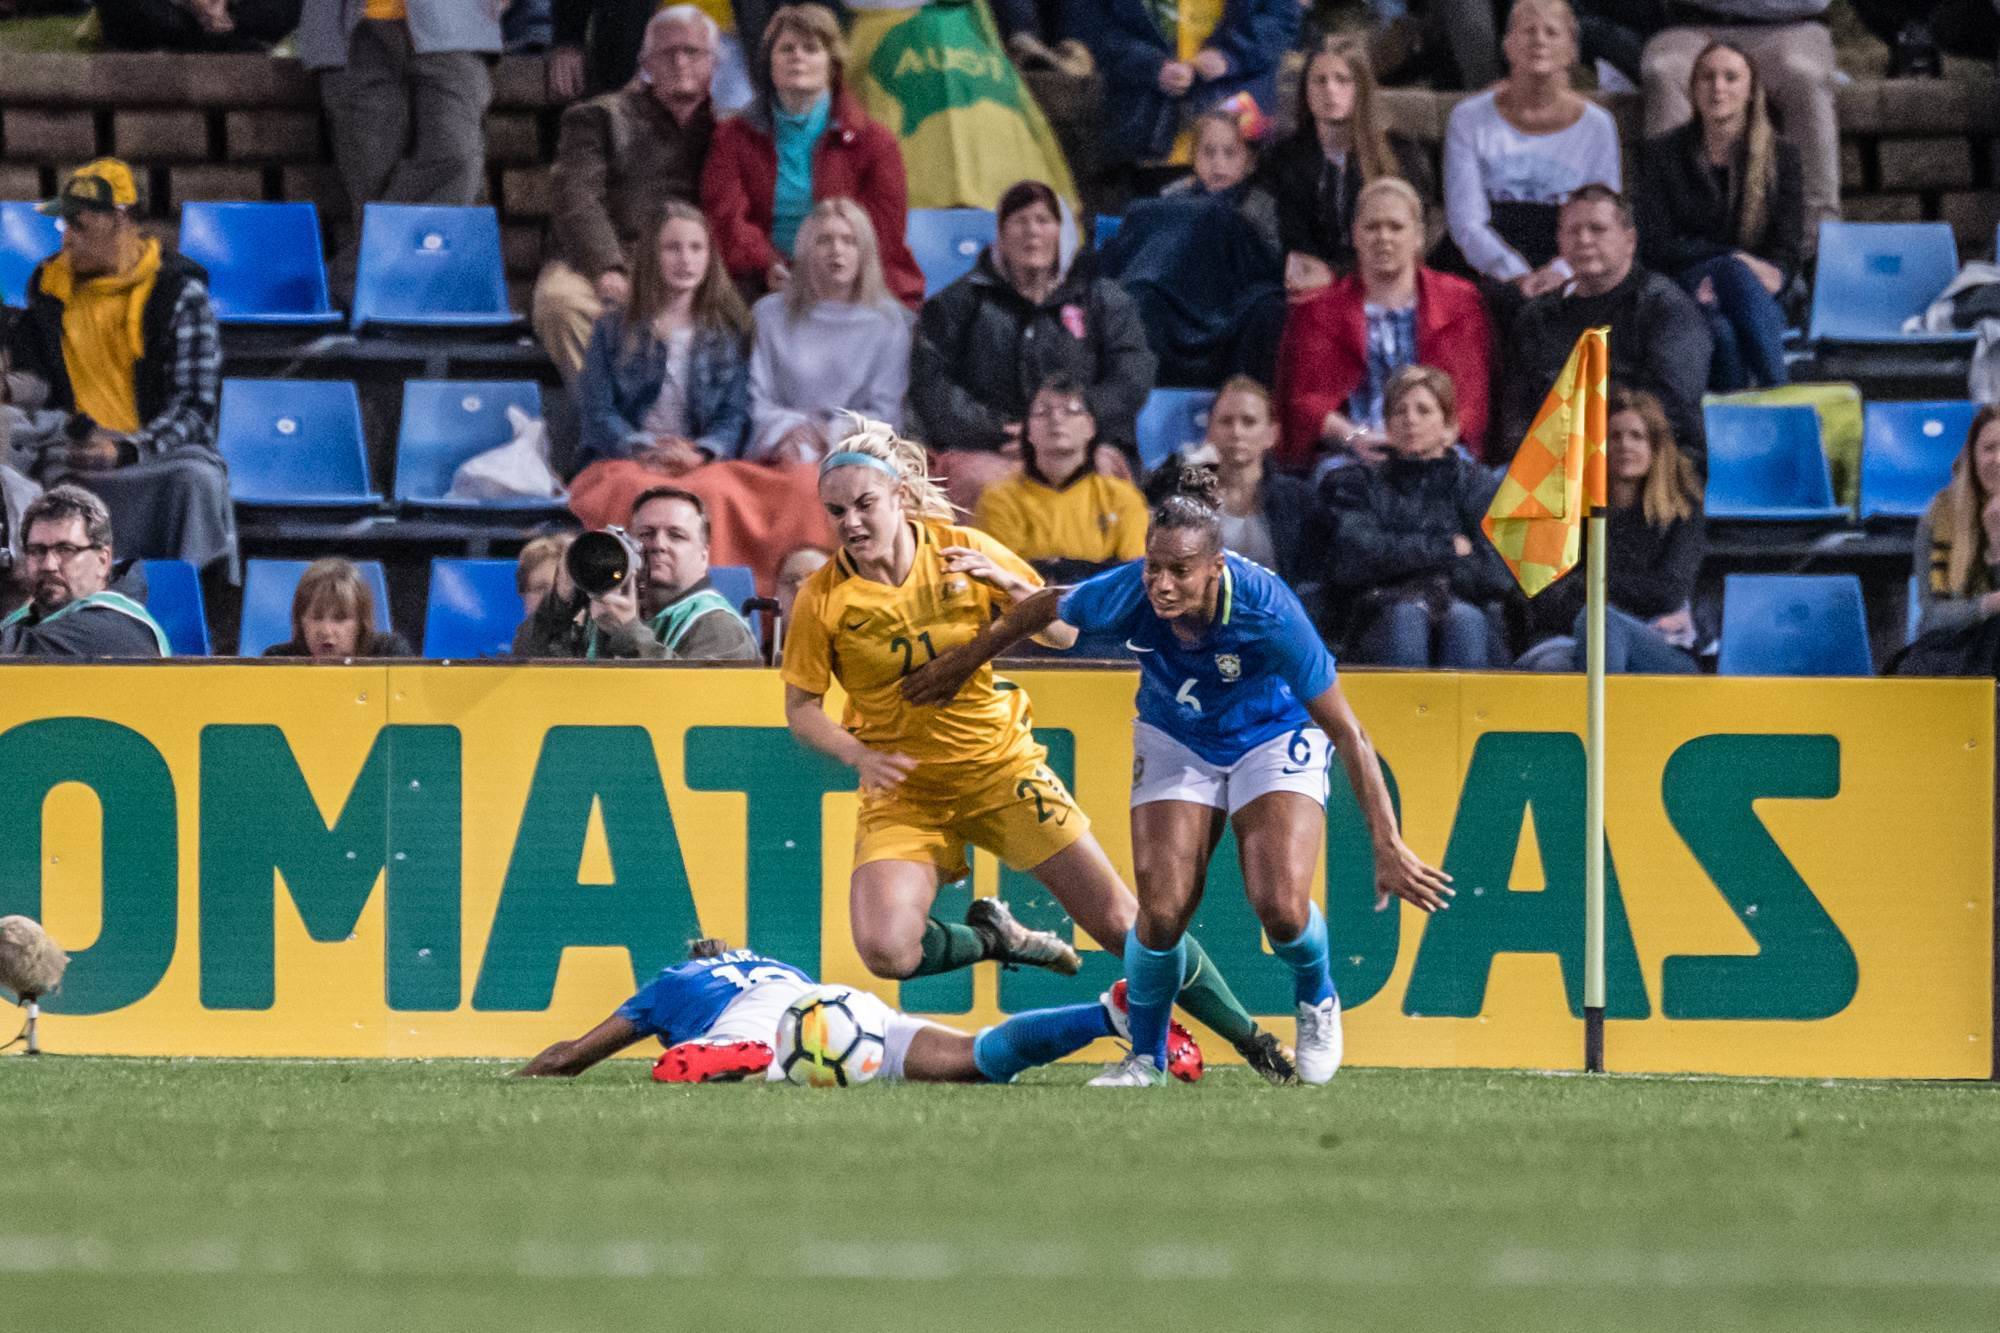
[(476, 860)]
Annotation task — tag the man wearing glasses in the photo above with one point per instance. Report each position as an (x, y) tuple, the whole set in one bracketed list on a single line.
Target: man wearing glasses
[(72, 611)]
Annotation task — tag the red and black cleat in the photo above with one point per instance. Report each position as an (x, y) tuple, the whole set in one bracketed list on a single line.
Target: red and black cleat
[(711, 1062), (1183, 1052)]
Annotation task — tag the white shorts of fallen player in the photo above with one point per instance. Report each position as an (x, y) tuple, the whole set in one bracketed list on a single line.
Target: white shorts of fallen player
[(754, 1015), (1165, 770)]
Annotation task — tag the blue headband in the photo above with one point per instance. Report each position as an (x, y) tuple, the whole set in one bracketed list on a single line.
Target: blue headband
[(852, 458)]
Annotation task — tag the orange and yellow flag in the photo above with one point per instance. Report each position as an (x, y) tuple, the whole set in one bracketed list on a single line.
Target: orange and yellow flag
[(1536, 518)]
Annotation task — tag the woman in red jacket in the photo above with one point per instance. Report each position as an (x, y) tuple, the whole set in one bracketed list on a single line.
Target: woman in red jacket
[(802, 140), (1342, 345)]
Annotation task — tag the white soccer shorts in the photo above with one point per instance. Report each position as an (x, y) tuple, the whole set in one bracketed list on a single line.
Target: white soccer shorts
[(1165, 770)]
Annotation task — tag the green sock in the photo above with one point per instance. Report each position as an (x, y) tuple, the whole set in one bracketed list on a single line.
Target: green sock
[(1206, 996), (948, 947)]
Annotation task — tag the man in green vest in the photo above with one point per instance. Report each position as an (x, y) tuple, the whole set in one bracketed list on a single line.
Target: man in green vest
[(73, 612)]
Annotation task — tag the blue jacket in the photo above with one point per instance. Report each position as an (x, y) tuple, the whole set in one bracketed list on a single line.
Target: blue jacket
[(1140, 121), (325, 27), (615, 389)]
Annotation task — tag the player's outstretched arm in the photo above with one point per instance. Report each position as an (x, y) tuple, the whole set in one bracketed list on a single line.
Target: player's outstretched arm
[(939, 680), (1016, 589), (805, 714), (1398, 870), (567, 1059)]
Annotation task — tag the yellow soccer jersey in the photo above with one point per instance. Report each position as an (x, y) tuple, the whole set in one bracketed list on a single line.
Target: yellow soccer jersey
[(868, 636), (1095, 518)]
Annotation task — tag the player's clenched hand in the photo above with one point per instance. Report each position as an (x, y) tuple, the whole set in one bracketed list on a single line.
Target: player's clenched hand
[(882, 771), (1399, 873), (939, 680)]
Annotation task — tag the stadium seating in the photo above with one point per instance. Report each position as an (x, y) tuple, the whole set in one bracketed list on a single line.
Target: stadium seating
[(267, 601), (1794, 625), (1906, 455), (430, 267), (294, 443), (1913, 611), (946, 242), (1871, 276), (263, 260), (1104, 228), (1172, 418), (173, 595), (446, 422), (26, 239), (473, 609), (1766, 463), (739, 584)]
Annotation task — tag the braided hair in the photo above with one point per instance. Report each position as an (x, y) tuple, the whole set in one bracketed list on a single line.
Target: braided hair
[(921, 492)]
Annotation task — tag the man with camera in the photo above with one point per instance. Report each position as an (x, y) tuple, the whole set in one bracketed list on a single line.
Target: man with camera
[(641, 592)]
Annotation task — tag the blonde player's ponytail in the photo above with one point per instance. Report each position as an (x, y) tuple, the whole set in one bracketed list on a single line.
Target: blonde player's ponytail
[(921, 493)]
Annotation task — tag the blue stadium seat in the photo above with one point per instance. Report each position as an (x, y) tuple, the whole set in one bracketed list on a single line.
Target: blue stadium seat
[(1913, 611), (267, 601), (474, 609), (264, 262), (739, 584), (1766, 462), (431, 267), (173, 595), (1104, 228), (1871, 276), (294, 443), (1794, 625), (1170, 419), (1906, 454), (946, 242), (446, 422), (26, 239)]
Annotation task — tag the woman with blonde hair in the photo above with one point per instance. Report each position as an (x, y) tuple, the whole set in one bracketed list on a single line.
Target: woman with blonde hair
[(333, 617), (834, 340), (1342, 144), (1958, 544), (1721, 210), (906, 585)]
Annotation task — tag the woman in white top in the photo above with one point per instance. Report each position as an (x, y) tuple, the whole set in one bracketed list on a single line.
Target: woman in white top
[(1512, 154), (833, 340)]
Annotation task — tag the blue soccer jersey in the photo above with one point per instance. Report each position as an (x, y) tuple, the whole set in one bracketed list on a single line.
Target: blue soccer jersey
[(685, 1000), (1244, 683)]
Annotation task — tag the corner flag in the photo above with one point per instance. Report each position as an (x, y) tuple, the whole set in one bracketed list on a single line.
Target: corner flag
[(1536, 518)]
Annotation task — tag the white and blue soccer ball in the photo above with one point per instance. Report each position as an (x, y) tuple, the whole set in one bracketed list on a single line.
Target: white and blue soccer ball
[(831, 1037)]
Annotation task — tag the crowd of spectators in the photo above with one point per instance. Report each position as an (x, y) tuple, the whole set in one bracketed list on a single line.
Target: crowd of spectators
[(720, 288)]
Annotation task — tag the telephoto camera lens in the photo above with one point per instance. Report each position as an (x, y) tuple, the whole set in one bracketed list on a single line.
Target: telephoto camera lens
[(602, 562)]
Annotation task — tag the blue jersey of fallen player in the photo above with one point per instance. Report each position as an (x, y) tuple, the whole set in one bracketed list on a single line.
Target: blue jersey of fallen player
[(1242, 684), (684, 1001)]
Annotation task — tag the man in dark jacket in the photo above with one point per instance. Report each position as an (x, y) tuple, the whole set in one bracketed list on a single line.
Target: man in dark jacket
[(118, 356), (1659, 338), (619, 158), (73, 612)]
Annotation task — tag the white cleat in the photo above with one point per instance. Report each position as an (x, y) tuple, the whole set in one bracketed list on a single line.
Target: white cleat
[(1319, 1043), (1134, 1071)]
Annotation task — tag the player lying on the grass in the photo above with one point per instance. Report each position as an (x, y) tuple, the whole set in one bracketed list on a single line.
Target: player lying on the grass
[(1237, 697), (905, 587), (717, 1015)]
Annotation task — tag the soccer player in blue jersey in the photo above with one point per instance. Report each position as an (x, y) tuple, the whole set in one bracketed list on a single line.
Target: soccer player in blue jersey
[(1237, 702), (717, 1015)]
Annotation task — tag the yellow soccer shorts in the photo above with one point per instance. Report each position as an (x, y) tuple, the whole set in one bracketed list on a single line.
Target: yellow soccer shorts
[(1023, 815)]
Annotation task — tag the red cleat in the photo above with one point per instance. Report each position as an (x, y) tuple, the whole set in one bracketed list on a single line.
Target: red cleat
[(712, 1062), (1183, 1052)]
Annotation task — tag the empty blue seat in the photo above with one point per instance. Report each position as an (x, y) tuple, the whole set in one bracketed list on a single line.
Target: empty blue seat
[(1906, 454), (1171, 419), (1794, 625), (474, 609), (173, 595), (26, 239), (294, 443), (1913, 610), (446, 422), (946, 242), (264, 262), (1766, 462), (1104, 228), (739, 584), (435, 267), (267, 601), (1871, 276)]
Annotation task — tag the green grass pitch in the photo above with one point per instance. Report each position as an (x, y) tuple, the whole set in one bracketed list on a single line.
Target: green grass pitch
[(143, 1194)]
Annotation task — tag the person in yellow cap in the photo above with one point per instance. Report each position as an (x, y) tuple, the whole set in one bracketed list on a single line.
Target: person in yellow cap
[(117, 364)]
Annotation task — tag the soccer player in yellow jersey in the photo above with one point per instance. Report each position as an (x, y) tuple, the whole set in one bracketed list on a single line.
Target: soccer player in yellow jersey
[(907, 586)]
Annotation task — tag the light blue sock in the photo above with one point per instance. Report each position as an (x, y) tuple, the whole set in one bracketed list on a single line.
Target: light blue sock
[(1037, 1037), (1152, 979), (1312, 979)]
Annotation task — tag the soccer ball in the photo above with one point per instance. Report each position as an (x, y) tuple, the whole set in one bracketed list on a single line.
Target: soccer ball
[(831, 1037)]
